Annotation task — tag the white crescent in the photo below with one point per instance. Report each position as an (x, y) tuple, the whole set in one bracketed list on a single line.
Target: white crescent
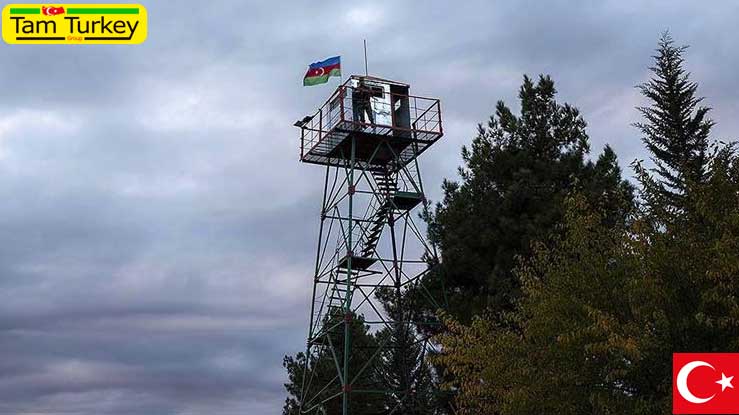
[(322, 71), (682, 382)]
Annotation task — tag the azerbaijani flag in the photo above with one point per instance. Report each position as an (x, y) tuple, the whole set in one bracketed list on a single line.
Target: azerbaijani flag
[(319, 72)]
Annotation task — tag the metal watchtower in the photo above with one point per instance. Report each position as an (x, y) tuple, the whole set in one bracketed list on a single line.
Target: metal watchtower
[(369, 135)]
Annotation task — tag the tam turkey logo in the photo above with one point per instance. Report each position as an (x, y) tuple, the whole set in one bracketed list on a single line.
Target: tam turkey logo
[(51, 11), (74, 24), (702, 383)]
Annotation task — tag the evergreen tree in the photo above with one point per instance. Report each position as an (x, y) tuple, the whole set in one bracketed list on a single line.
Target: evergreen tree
[(516, 175), (323, 371), (605, 303), (400, 366), (676, 128), (403, 364), (603, 308)]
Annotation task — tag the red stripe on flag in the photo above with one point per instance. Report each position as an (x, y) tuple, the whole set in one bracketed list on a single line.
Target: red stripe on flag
[(318, 71)]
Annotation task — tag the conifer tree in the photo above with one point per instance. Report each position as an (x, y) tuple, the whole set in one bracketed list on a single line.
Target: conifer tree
[(676, 128), (516, 174), (604, 305), (403, 364), (323, 372)]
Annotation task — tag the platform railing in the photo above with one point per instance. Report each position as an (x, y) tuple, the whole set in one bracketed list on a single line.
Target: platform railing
[(338, 114)]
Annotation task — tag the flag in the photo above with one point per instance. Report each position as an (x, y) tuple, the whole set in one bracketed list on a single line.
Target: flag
[(703, 383), (319, 72)]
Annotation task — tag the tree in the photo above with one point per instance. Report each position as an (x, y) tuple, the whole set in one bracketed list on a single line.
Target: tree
[(570, 337), (516, 175), (403, 364), (603, 308), (604, 303), (676, 128), (323, 371)]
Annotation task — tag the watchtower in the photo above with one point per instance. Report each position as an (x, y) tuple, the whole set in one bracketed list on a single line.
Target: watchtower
[(368, 135)]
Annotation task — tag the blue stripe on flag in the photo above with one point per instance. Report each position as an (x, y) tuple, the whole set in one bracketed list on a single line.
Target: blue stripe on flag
[(328, 62)]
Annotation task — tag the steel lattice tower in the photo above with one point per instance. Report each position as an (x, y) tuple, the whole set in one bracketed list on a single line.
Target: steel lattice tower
[(368, 135)]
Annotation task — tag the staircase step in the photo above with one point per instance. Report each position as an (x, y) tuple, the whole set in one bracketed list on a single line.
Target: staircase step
[(407, 200), (358, 263)]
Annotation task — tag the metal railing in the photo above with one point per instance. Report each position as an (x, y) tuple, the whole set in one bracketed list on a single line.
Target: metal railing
[(414, 117)]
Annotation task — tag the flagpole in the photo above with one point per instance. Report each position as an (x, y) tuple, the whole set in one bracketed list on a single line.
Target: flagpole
[(366, 72)]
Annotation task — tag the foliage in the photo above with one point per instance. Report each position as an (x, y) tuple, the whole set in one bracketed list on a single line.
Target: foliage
[(517, 173), (605, 303), (323, 371), (605, 307), (676, 128), (403, 365), (400, 365), (570, 337)]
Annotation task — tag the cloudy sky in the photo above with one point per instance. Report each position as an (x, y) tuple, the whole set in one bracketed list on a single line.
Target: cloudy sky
[(156, 227)]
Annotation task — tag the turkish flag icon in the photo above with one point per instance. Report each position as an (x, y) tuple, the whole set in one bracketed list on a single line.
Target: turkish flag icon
[(703, 383)]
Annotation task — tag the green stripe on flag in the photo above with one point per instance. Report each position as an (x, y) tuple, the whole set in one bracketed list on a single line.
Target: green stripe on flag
[(102, 10), (317, 80), (24, 10)]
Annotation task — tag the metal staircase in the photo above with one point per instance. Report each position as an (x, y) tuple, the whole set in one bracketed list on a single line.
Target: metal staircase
[(386, 183), (387, 186), (390, 200)]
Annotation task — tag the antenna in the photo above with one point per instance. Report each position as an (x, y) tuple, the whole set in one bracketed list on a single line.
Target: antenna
[(366, 72)]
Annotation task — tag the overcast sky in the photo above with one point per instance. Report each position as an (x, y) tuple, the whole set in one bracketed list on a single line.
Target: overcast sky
[(156, 228)]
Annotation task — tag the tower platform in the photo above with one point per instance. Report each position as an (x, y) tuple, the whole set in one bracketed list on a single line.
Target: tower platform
[(390, 126)]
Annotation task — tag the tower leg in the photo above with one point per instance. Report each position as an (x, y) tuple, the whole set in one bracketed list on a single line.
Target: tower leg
[(306, 367), (346, 389)]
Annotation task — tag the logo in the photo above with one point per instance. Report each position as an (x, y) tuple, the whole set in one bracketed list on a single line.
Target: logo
[(74, 24), (703, 383)]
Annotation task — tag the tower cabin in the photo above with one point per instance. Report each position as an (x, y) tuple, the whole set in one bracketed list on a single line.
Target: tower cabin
[(391, 127)]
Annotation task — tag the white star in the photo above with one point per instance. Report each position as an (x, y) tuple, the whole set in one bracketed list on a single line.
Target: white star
[(725, 382)]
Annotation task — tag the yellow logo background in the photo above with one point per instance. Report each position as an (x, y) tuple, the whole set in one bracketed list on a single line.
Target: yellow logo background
[(77, 24)]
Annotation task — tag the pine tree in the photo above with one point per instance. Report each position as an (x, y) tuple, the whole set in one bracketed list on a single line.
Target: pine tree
[(323, 372), (604, 303), (516, 174), (677, 127), (604, 307), (403, 364)]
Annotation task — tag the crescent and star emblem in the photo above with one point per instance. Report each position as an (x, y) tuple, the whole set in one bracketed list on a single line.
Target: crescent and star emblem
[(682, 382)]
